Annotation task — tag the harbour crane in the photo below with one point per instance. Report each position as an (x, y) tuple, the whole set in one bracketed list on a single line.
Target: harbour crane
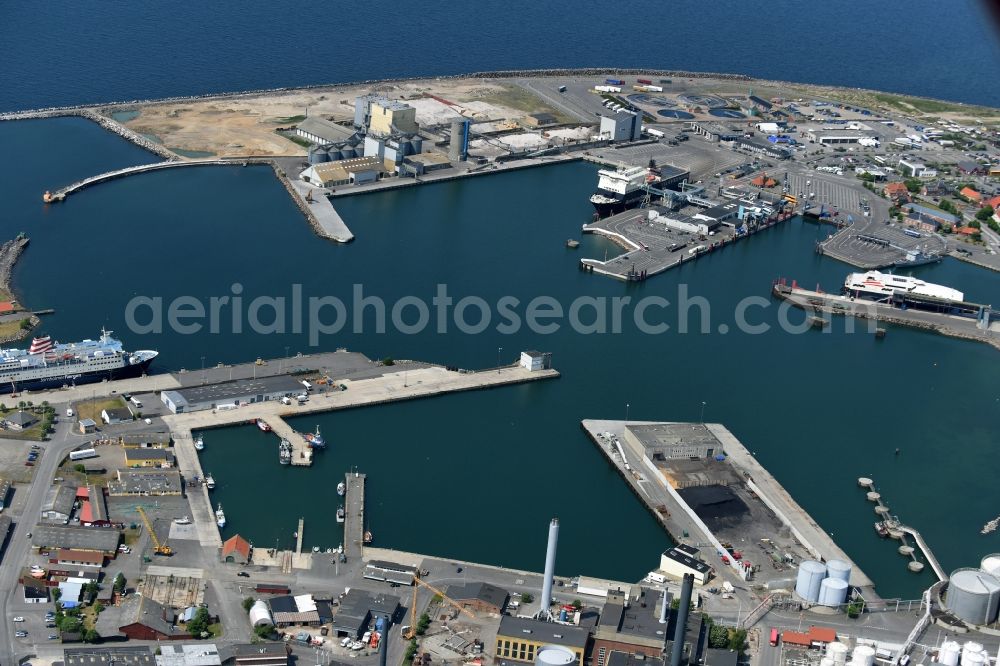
[(413, 605), (158, 548)]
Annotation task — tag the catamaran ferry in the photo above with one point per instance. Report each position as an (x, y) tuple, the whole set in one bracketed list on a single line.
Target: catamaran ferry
[(883, 286)]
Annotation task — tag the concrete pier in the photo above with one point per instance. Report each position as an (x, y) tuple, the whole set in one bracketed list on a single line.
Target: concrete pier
[(302, 454), (299, 533), (328, 221), (354, 515)]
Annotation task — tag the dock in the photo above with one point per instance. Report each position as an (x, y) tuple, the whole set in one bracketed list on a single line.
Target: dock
[(354, 515), (895, 529), (974, 325), (302, 454), (328, 221)]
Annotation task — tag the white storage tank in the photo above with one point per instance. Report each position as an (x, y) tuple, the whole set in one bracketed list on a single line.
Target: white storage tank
[(973, 596), (827, 661), (554, 655), (839, 569), (809, 579), (991, 564), (949, 653), (837, 651), (832, 592), (973, 658), (864, 655)]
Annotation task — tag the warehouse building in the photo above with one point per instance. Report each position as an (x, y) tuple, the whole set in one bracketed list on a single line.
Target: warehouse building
[(479, 597), (140, 482), (713, 131), (684, 223), (93, 507), (355, 171), (116, 415), (120, 655), (145, 440), (261, 654), (146, 620), (681, 560), (390, 572), (623, 126), (725, 213), (630, 625), (320, 131), (236, 550), (149, 458), (540, 119), (67, 557), (59, 503), (418, 165), (758, 147), (663, 441), (199, 654), (358, 608), (519, 638), (52, 537), (298, 610), (229, 395)]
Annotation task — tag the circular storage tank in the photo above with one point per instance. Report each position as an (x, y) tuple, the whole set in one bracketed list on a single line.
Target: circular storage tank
[(827, 661), (991, 564), (318, 155), (949, 653), (971, 647), (260, 615), (973, 596), (832, 592), (864, 655), (554, 655), (973, 658), (836, 650), (810, 577), (839, 569)]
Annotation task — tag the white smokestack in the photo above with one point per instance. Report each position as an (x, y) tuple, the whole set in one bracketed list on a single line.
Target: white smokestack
[(550, 568)]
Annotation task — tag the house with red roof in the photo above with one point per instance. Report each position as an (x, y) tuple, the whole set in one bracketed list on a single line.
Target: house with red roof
[(237, 550), (971, 195), (897, 192)]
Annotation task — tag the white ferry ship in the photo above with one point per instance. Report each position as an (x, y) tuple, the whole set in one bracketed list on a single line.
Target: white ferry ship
[(882, 286)]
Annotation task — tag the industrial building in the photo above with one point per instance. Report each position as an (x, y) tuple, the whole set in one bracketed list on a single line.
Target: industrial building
[(320, 131), (663, 441), (236, 550), (116, 415), (756, 146), (632, 625), (119, 655), (294, 610), (19, 420), (390, 572), (93, 506), (227, 395), (909, 167), (198, 654), (684, 223), (540, 119), (149, 458), (145, 440), (725, 213), (713, 131), (393, 148), (260, 654), (623, 126), (479, 597), (146, 620), (930, 213), (535, 360), (418, 165), (347, 149), (53, 537), (383, 116), (355, 171), (260, 614), (358, 608), (151, 482), (518, 639), (682, 560), (59, 503), (78, 558)]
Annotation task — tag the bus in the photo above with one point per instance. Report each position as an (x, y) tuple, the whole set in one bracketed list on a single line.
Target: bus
[(774, 636), (82, 454), (912, 233)]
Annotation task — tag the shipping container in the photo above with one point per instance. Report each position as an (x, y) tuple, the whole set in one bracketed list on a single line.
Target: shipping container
[(615, 82), (82, 454), (646, 81), (655, 132)]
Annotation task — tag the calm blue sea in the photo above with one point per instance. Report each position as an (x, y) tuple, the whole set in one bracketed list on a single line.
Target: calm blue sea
[(62, 52)]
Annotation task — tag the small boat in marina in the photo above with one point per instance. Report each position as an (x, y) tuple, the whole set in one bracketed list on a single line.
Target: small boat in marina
[(341, 489), (368, 536), (882, 530), (199, 443), (340, 514), (315, 439), (220, 517), (991, 526), (210, 481), (285, 452), (263, 425), (183, 521)]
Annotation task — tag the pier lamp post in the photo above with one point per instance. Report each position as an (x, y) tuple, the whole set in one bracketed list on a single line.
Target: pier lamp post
[(499, 349), (626, 413), (703, 403), (202, 369)]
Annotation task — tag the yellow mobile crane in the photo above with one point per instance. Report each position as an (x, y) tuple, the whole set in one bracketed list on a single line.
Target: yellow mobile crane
[(158, 548), (413, 605)]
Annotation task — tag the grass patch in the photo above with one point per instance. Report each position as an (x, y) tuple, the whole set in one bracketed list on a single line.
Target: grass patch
[(296, 139), (519, 99), (289, 120), (934, 106), (91, 409), (9, 329), (215, 629)]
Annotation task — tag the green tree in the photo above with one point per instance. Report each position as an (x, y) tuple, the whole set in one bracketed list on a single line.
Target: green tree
[(198, 625), (119, 583), (98, 608), (388, 360), (975, 224), (248, 604), (90, 636), (80, 467), (264, 631), (577, 604), (411, 651), (984, 213), (913, 184), (423, 624), (738, 640), (56, 594), (718, 637)]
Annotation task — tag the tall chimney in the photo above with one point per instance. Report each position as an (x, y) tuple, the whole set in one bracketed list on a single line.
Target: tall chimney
[(682, 619), (383, 642), (550, 567), (664, 607)]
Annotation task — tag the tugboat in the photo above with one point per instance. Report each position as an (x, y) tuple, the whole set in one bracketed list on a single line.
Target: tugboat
[(340, 514), (285, 452), (262, 424), (341, 489), (220, 517), (315, 439), (199, 444), (209, 481)]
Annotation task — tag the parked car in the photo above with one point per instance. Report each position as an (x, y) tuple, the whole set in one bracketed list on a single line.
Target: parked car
[(18, 619), (243, 574)]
